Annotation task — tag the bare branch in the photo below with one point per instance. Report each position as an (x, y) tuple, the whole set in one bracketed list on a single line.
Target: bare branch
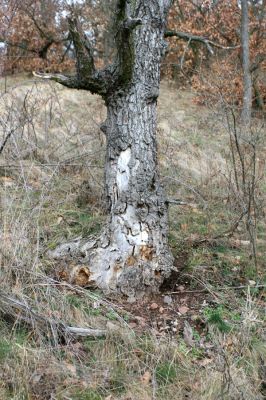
[(183, 56), (64, 80), (21, 46), (41, 52), (42, 32), (195, 38), (98, 83)]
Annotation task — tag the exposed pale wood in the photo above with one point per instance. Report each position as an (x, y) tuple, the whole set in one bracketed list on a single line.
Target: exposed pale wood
[(85, 331)]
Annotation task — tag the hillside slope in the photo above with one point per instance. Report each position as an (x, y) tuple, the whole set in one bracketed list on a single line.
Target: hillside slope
[(200, 338)]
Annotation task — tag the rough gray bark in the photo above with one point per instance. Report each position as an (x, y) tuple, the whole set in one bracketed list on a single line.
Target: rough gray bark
[(132, 255), (247, 82)]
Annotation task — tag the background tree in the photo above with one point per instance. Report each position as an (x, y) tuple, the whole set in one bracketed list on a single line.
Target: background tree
[(205, 51), (247, 83)]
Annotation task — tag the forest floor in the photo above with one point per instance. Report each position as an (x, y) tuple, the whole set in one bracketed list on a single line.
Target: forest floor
[(202, 337)]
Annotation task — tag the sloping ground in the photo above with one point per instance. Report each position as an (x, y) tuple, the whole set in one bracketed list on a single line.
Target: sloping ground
[(73, 117), (188, 130), (202, 336)]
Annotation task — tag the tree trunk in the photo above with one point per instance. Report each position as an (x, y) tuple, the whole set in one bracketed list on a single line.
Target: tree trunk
[(132, 255), (247, 83)]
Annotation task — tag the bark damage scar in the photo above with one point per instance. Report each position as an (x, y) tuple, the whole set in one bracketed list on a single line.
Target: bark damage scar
[(117, 267), (75, 274), (146, 253), (131, 261), (123, 171), (80, 276)]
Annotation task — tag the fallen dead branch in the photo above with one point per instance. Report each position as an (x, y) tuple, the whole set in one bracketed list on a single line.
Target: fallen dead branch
[(219, 288), (17, 310)]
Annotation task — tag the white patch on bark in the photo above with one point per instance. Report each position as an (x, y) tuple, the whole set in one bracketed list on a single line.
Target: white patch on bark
[(123, 172), (137, 234), (120, 235)]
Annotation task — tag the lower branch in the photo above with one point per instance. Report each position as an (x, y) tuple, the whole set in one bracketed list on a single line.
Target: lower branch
[(96, 84), (64, 80)]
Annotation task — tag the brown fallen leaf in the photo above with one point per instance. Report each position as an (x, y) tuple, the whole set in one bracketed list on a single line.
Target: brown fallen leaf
[(141, 321), (132, 325), (7, 181), (184, 227), (228, 342), (138, 352), (146, 378), (204, 362), (184, 300), (239, 243), (80, 275), (154, 306), (183, 309), (59, 220), (71, 368)]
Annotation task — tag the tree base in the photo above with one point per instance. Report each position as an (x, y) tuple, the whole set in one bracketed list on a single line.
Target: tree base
[(95, 263)]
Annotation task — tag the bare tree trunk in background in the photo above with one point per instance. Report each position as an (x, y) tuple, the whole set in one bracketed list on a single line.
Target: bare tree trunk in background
[(132, 255), (247, 82)]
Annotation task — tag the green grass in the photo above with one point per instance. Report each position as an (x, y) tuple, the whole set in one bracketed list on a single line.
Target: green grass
[(5, 349), (216, 319), (165, 373), (88, 394)]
